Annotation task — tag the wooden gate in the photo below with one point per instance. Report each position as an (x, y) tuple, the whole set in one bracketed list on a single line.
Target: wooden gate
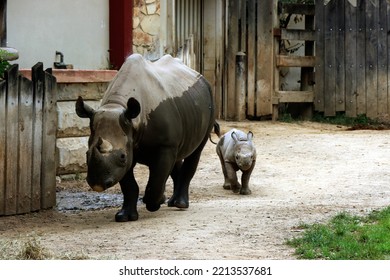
[(28, 122), (352, 57), (249, 64)]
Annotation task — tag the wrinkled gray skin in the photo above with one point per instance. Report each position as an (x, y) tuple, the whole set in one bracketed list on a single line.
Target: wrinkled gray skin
[(157, 114), (237, 152)]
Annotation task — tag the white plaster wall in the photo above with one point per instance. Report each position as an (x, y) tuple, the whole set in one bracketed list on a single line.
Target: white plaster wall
[(77, 28)]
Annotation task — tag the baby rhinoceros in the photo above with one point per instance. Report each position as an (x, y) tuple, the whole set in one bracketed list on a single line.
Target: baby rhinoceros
[(237, 152)]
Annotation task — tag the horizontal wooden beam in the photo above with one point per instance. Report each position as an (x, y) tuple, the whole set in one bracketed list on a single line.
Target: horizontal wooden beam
[(295, 61), (298, 34), (293, 97), (300, 9)]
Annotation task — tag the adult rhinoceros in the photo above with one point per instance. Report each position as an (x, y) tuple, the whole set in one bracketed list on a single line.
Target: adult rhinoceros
[(159, 114)]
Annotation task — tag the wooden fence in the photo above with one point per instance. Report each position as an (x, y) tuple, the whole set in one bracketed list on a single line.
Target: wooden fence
[(352, 57), (28, 122)]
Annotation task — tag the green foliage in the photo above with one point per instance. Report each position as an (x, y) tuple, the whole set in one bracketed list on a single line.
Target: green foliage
[(4, 64), (359, 122), (346, 237)]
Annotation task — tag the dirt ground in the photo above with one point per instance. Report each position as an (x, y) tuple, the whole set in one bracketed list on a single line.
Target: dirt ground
[(305, 173)]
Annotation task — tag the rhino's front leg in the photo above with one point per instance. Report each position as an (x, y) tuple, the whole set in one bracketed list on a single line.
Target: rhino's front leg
[(159, 172), (231, 181), (245, 180), (130, 192)]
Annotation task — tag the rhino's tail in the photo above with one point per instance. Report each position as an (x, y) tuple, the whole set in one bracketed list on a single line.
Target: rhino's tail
[(216, 131)]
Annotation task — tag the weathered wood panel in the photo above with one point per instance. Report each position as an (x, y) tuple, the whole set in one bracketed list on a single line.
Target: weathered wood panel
[(330, 58), (230, 112), (350, 60), (319, 100), (27, 129), (251, 59), (295, 61), (361, 61), (3, 121), (264, 59), (26, 161), (49, 131), (11, 157), (340, 58), (38, 86), (372, 12), (354, 39)]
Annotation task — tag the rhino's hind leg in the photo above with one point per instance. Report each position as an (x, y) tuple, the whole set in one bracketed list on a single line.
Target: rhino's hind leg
[(130, 192)]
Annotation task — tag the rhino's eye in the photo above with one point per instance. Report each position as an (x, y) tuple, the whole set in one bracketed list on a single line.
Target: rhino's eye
[(122, 158)]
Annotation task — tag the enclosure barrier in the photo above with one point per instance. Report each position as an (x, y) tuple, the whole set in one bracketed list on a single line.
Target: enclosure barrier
[(28, 121)]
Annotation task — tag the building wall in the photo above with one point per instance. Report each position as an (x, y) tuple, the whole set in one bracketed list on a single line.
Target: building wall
[(79, 29)]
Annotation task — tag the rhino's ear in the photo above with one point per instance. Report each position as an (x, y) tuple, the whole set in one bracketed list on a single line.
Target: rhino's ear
[(250, 136), (133, 108), (83, 110), (234, 136)]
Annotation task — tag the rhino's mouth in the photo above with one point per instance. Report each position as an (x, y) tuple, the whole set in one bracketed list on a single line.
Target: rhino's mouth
[(98, 188)]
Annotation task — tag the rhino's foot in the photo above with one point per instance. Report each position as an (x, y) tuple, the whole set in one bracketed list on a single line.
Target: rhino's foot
[(227, 186), (236, 188), (124, 216), (179, 203), (245, 191), (152, 207)]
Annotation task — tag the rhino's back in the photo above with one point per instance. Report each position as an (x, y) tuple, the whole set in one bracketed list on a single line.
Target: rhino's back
[(150, 82)]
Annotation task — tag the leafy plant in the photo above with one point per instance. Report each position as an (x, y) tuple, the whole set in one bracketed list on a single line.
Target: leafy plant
[(4, 64)]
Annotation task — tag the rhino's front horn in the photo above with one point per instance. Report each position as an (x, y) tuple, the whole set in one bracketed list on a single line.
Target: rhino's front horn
[(105, 146)]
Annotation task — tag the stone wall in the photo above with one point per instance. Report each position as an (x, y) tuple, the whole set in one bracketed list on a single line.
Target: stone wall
[(146, 28)]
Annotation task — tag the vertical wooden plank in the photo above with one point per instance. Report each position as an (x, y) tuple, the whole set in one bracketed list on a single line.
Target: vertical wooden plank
[(219, 55), (3, 23), (340, 57), (38, 88), (361, 59), (210, 37), (265, 59), (350, 59), (3, 133), (243, 26), (382, 60), (307, 73), (11, 158), (330, 58), (372, 14), (241, 85), (232, 49), (388, 57), (319, 99), (251, 58), (25, 161), (48, 187)]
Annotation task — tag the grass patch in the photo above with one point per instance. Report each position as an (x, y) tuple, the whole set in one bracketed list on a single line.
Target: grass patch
[(346, 237)]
